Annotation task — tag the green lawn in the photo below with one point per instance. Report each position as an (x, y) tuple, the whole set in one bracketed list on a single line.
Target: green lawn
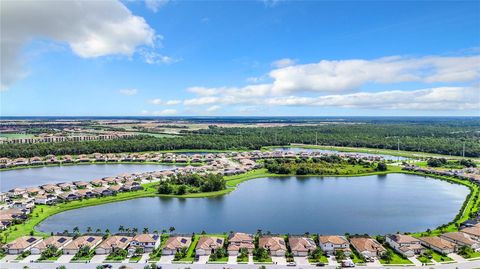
[(157, 253), (242, 259), (396, 258), (424, 259), (135, 259), (439, 257), (268, 260), (356, 258), (321, 258), (15, 136), (191, 250)]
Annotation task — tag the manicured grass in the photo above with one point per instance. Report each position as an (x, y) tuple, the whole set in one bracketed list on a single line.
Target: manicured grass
[(15, 136), (356, 258), (135, 259), (268, 260), (321, 258), (191, 250), (438, 257), (220, 260), (157, 253), (242, 259), (424, 259), (396, 258)]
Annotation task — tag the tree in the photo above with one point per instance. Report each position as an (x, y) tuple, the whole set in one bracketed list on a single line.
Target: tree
[(121, 229), (76, 230), (387, 256), (164, 188), (145, 230), (89, 229), (381, 166), (171, 229)]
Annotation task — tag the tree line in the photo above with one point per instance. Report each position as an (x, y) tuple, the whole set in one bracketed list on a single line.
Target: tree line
[(440, 139)]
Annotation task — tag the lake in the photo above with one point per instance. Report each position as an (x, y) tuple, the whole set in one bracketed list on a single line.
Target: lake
[(30, 177), (297, 150), (327, 205)]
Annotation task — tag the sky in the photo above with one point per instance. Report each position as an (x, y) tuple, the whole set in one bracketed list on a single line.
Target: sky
[(240, 58)]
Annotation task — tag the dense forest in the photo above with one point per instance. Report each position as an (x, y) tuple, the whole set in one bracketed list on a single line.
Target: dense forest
[(446, 139)]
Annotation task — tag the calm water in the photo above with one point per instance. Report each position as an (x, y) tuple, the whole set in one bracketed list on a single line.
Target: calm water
[(370, 204), (30, 177), (296, 150)]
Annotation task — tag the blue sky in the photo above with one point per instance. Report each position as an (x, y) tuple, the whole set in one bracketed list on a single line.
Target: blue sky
[(241, 58)]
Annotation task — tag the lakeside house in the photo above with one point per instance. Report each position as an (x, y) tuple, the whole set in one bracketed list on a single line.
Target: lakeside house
[(57, 241), (473, 232), (275, 244), (332, 243), (208, 244), (238, 241), (367, 247), (113, 243), (22, 244), (83, 241), (175, 243), (406, 245), (461, 239), (438, 244), (146, 242), (301, 246)]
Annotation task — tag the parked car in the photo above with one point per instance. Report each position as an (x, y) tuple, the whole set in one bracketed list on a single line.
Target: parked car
[(291, 264), (320, 264)]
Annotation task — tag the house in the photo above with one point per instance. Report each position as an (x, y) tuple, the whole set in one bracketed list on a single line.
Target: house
[(113, 243), (103, 192), (45, 199), (406, 245), (65, 186), (438, 244), (461, 239), (332, 243), (50, 188), (86, 193), (81, 184), (17, 193), (175, 244), (97, 182), (238, 241), (32, 191), (473, 232), (208, 244), (22, 244), (275, 244), (367, 247), (146, 242), (301, 246), (83, 241), (57, 241), (68, 196)]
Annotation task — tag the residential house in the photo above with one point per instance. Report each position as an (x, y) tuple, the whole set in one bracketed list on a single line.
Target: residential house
[(97, 182), (438, 244), (275, 244), (406, 245), (146, 242), (81, 184), (83, 241), (113, 243), (17, 193), (473, 232), (50, 188), (57, 241), (103, 192), (175, 244), (208, 244), (461, 239), (332, 243), (22, 244), (238, 241), (367, 247), (68, 196), (301, 246), (45, 199)]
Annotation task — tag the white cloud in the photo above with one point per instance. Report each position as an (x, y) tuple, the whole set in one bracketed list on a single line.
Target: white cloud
[(155, 5), (213, 109), (128, 92), (165, 112), (283, 63), (152, 57), (90, 28), (441, 98), (159, 101)]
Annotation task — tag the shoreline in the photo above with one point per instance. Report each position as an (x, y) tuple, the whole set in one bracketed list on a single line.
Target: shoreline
[(42, 212)]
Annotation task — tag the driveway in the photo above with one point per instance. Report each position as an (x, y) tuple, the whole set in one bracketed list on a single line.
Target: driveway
[(30, 258), (8, 258), (332, 261), (64, 259), (202, 259), (167, 259), (144, 258), (456, 257), (301, 260), (415, 261), (98, 258), (232, 259), (375, 263), (250, 259), (279, 260)]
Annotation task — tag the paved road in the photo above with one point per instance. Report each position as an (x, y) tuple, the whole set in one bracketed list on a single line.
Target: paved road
[(460, 265)]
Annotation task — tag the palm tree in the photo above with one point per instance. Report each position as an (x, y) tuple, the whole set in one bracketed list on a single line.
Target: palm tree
[(107, 231), (121, 229), (164, 231), (171, 229), (89, 229), (145, 230), (135, 230), (76, 230), (155, 231), (98, 230)]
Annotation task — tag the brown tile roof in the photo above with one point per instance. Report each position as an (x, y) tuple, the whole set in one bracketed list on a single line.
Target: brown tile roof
[(272, 242), (82, 241), (240, 237), (177, 242), (333, 239), (57, 241), (475, 230), (403, 238), (301, 243), (460, 237), (23, 242), (210, 242), (144, 238), (366, 244), (438, 242), (116, 241)]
